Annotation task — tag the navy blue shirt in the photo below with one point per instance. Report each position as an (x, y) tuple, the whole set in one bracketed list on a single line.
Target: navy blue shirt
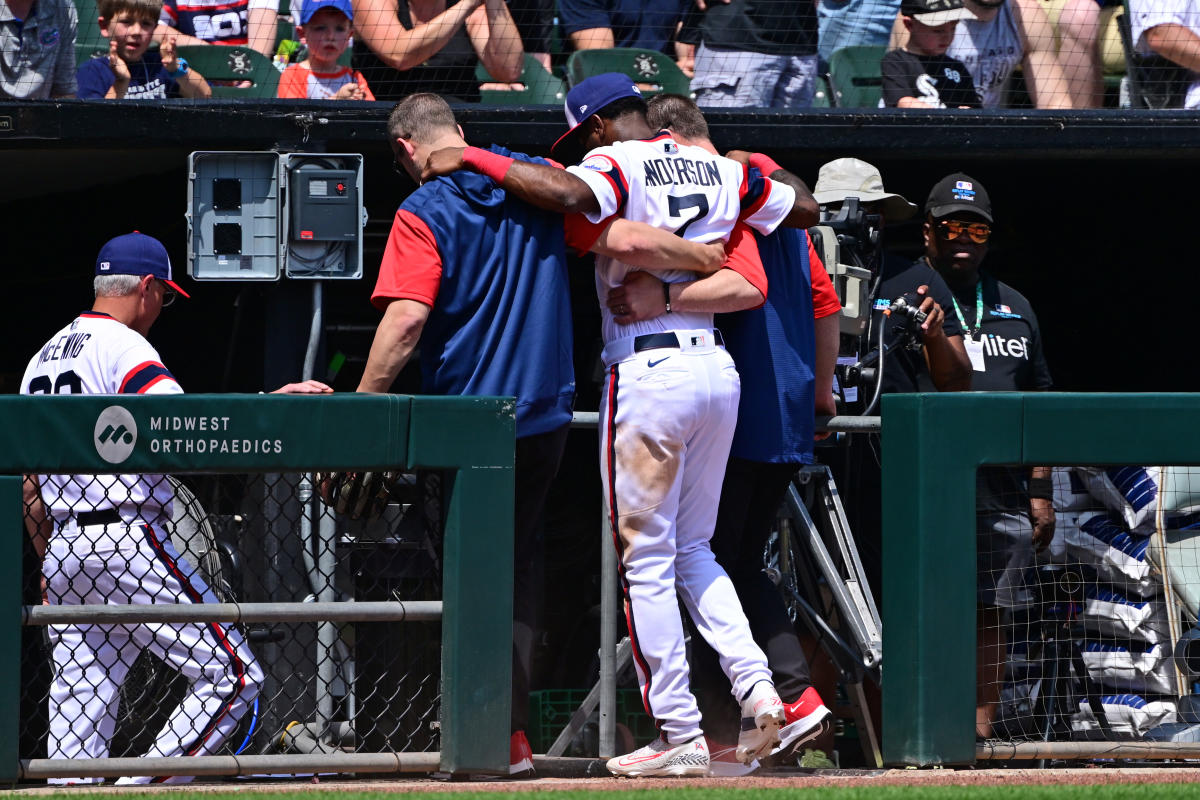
[(774, 349), (644, 24), (148, 79), (500, 324)]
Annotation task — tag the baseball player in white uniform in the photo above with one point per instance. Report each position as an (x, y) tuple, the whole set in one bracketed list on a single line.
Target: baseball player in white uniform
[(668, 409), (108, 544)]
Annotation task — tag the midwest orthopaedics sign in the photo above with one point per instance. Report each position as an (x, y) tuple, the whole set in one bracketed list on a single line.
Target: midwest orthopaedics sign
[(204, 434)]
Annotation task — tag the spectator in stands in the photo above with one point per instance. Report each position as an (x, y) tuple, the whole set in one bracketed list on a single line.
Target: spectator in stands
[(129, 71), (1170, 28), (37, 49), (922, 75), (535, 24), (325, 26), (756, 53), (248, 22), (842, 23), (1078, 25), (644, 24), (1015, 514), (404, 47), (1004, 34)]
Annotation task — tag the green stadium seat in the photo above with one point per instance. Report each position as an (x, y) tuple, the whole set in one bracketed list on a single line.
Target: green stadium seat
[(654, 72), (821, 94), (88, 39), (541, 87), (218, 62), (855, 77)]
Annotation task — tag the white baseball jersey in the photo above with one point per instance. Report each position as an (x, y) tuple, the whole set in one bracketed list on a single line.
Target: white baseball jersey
[(675, 187), (96, 354)]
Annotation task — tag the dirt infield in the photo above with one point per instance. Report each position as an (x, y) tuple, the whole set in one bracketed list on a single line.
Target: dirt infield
[(763, 780)]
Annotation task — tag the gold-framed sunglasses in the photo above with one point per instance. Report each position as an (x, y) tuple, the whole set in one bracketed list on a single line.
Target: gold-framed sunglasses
[(951, 229)]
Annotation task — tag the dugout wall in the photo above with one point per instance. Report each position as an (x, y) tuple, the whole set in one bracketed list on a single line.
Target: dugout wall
[(470, 437), (934, 443)]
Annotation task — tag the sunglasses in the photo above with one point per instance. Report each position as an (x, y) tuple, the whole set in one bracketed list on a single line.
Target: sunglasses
[(169, 294), (951, 229)]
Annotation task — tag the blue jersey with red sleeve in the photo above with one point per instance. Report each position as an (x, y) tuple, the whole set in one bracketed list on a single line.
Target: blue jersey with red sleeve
[(773, 347), (493, 270)]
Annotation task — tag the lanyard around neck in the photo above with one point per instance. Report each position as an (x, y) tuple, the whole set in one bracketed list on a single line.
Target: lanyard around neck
[(978, 311)]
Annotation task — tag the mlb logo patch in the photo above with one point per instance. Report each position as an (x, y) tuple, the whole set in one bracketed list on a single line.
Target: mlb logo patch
[(670, 148), (1003, 308), (964, 185), (104, 265)]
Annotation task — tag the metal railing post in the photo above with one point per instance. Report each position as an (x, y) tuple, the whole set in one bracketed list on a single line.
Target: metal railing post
[(10, 629)]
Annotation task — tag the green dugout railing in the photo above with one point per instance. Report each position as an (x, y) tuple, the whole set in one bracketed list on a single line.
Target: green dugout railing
[(251, 433), (932, 446)]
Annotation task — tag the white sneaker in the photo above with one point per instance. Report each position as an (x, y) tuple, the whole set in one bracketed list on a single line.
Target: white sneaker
[(660, 758), (723, 763), (762, 717)]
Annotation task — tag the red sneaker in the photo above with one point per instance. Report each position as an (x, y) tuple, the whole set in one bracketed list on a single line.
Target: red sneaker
[(520, 756), (805, 720)]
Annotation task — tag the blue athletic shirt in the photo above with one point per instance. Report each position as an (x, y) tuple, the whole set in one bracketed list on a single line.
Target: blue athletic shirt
[(493, 270), (148, 79), (773, 347)]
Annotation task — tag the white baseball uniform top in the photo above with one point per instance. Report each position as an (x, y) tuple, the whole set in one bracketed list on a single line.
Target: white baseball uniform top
[(96, 354), (674, 187)]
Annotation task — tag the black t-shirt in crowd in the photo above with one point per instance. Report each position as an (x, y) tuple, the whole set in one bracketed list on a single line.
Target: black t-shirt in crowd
[(770, 27), (904, 370), (941, 80)]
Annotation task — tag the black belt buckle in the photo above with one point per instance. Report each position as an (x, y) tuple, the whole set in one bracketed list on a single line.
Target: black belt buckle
[(107, 517)]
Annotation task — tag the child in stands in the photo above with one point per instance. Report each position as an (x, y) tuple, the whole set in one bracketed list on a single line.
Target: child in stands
[(921, 75), (325, 26), (130, 71)]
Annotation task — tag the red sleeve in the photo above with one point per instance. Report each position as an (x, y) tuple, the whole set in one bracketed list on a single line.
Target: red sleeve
[(412, 266), (293, 83), (581, 234), (825, 299), (741, 256), (362, 84)]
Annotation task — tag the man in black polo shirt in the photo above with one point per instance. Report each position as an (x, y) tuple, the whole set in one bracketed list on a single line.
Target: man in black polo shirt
[(1015, 515)]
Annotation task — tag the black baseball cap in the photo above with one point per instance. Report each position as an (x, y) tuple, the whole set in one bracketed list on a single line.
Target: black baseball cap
[(935, 12), (958, 192)]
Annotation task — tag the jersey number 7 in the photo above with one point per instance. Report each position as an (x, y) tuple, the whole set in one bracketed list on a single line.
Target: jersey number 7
[(675, 205)]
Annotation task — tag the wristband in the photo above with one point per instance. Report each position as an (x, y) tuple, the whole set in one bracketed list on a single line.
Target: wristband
[(181, 68), (765, 164), (667, 296), (1041, 489), (486, 163)]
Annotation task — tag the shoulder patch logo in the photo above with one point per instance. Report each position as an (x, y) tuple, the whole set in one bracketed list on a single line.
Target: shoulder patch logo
[(670, 148), (598, 163)]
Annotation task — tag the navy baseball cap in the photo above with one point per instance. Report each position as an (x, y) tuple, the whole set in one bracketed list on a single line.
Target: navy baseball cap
[(311, 7), (589, 96), (136, 254)]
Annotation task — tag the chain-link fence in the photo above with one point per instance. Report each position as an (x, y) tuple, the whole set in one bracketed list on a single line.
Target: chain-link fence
[(1090, 639), (116, 690), (939, 54)]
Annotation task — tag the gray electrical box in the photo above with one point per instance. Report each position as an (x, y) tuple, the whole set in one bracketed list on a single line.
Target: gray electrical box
[(253, 216)]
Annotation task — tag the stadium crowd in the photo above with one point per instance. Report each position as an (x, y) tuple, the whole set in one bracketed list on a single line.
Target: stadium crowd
[(1055, 54)]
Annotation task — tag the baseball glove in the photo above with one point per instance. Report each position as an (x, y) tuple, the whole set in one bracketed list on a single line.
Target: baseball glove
[(357, 494)]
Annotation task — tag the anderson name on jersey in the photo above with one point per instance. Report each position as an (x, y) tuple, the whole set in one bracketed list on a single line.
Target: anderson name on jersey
[(686, 189)]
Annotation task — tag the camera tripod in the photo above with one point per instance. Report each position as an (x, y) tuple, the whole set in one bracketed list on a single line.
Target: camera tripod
[(813, 559)]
